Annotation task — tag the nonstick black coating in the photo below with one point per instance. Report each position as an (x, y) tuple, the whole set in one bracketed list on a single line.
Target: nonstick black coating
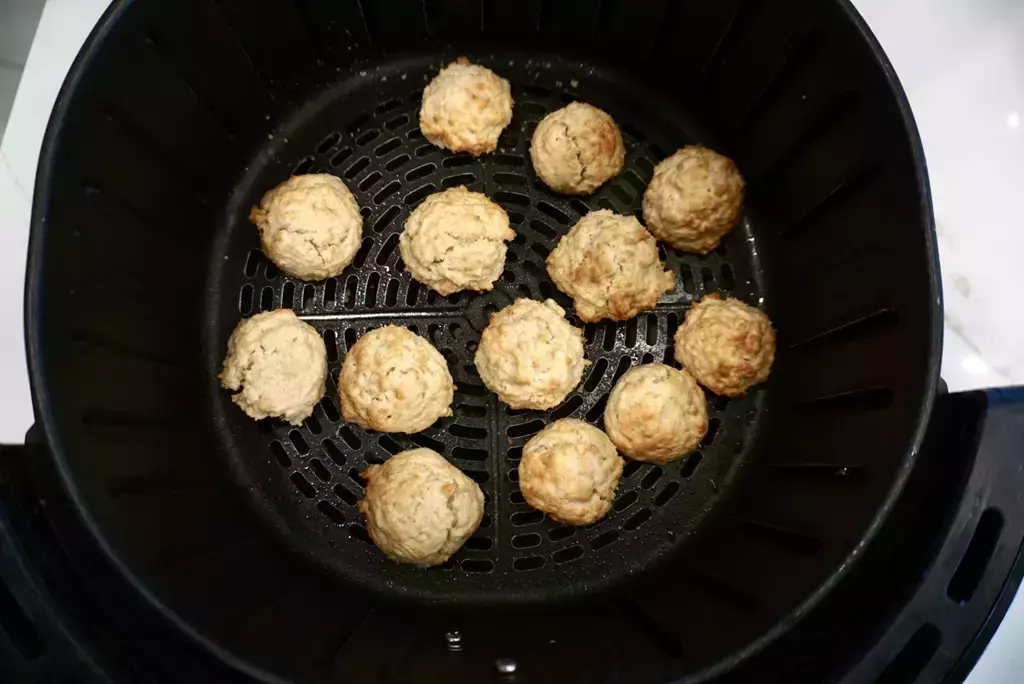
[(306, 480)]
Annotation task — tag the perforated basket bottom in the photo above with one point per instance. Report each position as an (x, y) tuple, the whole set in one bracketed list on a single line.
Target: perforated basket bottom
[(306, 480)]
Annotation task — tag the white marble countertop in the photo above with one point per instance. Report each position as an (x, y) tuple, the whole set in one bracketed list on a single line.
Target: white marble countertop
[(962, 65)]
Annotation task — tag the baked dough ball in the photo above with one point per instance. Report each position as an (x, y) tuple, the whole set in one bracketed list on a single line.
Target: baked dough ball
[(695, 197), (577, 148), (465, 108), (278, 366), (309, 226), (455, 241), (420, 508), (656, 413), (394, 381), (570, 470), (726, 345), (609, 265), (529, 355)]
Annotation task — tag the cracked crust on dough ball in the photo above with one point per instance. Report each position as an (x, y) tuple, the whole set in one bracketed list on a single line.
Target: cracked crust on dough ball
[(726, 345), (570, 470), (695, 198), (609, 265), (577, 148), (656, 413), (455, 241), (393, 380), (309, 226), (530, 356), (420, 508), (465, 108), (277, 364)]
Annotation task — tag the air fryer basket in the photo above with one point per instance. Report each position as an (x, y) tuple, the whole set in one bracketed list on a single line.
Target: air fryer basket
[(176, 119)]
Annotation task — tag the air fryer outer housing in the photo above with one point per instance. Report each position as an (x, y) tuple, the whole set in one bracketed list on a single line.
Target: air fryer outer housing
[(177, 116)]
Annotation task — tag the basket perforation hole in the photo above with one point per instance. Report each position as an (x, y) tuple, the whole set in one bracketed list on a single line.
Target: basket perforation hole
[(288, 295), (509, 179), (412, 293), (513, 198), (458, 161), (605, 203), (625, 501), (543, 229), (526, 541), (604, 539), (308, 294), (528, 563), (721, 403), (561, 533), (597, 411), (688, 284), (331, 413), (330, 293), (460, 179), (313, 425), (624, 365), (728, 278), (340, 156), (424, 150), (514, 453), (420, 194), (295, 437), (547, 291), (387, 191), (554, 212), (416, 134), (479, 544), (423, 440), (280, 454), (712, 429), (526, 518), (631, 468), (690, 467), (356, 476), (666, 493), (329, 142), (637, 519), (252, 263), (320, 470), (469, 454), (516, 498), (567, 408), (467, 431), (398, 162), (267, 299), (396, 122), (525, 429), (349, 437), (345, 495), (366, 137), (349, 299), (303, 485), (509, 160), (364, 251), (708, 279), (370, 180), (621, 194), (631, 332), (357, 168), (635, 181), (389, 445), (371, 289), (567, 555), (331, 513), (651, 478), (477, 565), (651, 330), (391, 293), (359, 532), (387, 249), (245, 299), (303, 166), (608, 339), (647, 166), (333, 452), (388, 146), (271, 271)]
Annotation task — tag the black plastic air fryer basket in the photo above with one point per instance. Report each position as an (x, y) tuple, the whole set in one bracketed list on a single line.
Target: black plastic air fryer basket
[(244, 538)]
